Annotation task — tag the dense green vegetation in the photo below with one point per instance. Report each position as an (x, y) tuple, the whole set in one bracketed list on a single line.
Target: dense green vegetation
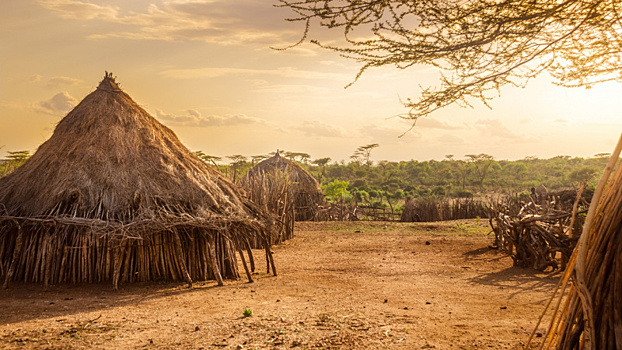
[(476, 174), (12, 161), (462, 178)]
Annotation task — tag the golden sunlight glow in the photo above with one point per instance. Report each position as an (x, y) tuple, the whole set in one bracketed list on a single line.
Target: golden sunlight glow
[(206, 70)]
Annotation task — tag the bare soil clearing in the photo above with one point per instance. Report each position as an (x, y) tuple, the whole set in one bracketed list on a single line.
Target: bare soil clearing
[(340, 285)]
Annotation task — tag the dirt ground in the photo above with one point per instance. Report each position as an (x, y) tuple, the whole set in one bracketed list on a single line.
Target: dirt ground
[(340, 285)]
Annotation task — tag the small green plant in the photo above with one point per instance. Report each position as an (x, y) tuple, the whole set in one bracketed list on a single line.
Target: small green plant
[(247, 312)]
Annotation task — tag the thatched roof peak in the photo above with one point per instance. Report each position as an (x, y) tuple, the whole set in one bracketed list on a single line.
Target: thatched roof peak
[(109, 84)]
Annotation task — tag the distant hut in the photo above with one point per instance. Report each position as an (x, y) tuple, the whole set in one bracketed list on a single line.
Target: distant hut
[(113, 195), (286, 189)]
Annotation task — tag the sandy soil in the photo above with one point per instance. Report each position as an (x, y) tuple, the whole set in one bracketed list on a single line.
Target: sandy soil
[(340, 285)]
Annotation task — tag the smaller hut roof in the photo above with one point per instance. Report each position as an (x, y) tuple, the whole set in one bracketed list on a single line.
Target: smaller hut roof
[(302, 180), (274, 177)]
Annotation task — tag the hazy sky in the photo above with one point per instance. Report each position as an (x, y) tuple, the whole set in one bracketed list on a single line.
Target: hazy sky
[(206, 70)]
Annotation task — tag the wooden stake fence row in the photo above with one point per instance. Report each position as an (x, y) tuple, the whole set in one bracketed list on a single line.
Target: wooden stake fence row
[(32, 252)]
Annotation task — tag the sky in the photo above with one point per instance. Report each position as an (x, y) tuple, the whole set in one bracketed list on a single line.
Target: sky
[(208, 70)]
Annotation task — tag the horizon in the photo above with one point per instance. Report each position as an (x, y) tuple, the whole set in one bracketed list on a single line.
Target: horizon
[(209, 74)]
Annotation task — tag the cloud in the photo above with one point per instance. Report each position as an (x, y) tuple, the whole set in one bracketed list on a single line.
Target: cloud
[(494, 128), (433, 123), (448, 139), (215, 72), (561, 121), (59, 81), (318, 129), (218, 21), (35, 78), (59, 104), (81, 10), (194, 118), (388, 135)]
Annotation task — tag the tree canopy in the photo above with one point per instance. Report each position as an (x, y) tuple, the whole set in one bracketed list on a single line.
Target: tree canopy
[(477, 45)]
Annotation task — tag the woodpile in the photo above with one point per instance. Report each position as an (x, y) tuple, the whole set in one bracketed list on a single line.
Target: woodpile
[(539, 230), (114, 196), (440, 209), (587, 303)]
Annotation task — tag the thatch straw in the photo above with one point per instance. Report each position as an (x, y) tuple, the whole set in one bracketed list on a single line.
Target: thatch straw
[(590, 316), (307, 195), (274, 193), (114, 195)]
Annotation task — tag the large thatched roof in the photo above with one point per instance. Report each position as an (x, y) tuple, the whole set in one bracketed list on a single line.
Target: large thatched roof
[(109, 159), (111, 171)]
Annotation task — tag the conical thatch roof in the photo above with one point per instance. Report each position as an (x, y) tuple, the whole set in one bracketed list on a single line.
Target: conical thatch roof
[(306, 191), (301, 179), (112, 170)]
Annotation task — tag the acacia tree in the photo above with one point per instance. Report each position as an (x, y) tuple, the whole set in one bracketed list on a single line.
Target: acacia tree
[(208, 158), (238, 162), (482, 163), (477, 45), (364, 152), (321, 163)]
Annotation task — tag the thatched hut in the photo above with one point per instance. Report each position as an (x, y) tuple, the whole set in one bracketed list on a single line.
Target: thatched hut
[(113, 195), (588, 310), (285, 189)]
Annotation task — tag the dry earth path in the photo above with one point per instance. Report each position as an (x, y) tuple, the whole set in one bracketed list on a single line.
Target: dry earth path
[(340, 285)]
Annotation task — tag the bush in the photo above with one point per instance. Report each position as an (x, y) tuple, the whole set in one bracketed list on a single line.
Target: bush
[(336, 190), (438, 191), (361, 195)]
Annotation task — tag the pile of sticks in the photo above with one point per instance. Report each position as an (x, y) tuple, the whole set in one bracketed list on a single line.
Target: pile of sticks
[(539, 230)]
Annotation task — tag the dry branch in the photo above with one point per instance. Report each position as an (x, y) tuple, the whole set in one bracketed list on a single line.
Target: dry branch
[(539, 230)]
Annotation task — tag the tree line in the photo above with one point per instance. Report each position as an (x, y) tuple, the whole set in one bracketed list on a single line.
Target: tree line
[(474, 175), (370, 181)]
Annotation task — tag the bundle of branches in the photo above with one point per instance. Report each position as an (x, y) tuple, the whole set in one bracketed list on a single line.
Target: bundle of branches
[(589, 315), (439, 209), (273, 192), (339, 211), (113, 195), (539, 230), (306, 194)]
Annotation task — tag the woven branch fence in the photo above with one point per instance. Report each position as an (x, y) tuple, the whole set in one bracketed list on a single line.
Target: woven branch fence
[(73, 250), (440, 209)]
